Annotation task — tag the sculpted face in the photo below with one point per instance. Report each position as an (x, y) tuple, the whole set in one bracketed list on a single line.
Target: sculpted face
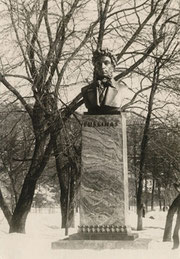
[(103, 67)]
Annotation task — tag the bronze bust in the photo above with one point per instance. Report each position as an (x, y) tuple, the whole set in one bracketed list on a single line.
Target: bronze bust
[(104, 94)]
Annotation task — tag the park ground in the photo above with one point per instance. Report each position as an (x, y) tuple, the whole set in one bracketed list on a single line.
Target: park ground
[(43, 228)]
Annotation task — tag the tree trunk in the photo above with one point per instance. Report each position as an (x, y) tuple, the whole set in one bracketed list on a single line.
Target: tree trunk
[(65, 182), (67, 201), (71, 216), (23, 206), (159, 197), (164, 204), (169, 219), (139, 203), (176, 231), (70, 202), (152, 195), (5, 209), (144, 144), (64, 206), (139, 220), (146, 195)]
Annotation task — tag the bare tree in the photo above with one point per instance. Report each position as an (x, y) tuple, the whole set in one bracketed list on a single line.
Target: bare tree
[(169, 220), (41, 63)]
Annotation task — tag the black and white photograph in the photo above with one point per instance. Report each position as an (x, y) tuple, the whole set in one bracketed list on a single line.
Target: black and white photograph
[(89, 129)]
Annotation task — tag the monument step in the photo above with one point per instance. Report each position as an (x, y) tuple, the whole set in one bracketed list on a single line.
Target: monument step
[(139, 243)]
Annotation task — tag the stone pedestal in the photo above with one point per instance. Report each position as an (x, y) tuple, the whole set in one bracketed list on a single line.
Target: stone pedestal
[(104, 179)]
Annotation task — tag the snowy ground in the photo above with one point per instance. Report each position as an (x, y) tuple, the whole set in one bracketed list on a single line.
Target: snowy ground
[(43, 228)]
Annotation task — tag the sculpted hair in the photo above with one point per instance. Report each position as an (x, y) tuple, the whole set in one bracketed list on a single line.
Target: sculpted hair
[(98, 53)]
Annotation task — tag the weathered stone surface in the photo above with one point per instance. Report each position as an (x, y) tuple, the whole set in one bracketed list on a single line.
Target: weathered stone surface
[(104, 180)]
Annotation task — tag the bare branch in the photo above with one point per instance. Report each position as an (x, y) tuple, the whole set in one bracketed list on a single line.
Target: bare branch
[(102, 18), (19, 76), (16, 93)]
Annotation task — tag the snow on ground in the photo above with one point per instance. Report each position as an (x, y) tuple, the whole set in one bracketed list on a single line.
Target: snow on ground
[(43, 228)]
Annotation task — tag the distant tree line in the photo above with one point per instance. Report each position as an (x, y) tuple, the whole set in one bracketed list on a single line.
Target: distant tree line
[(161, 163)]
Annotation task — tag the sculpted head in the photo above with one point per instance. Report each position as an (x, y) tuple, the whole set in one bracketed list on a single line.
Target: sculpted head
[(104, 63)]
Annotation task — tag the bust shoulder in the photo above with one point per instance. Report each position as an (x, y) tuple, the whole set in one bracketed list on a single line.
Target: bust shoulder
[(119, 84), (85, 88)]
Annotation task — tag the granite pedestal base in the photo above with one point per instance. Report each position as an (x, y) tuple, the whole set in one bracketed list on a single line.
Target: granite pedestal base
[(140, 243)]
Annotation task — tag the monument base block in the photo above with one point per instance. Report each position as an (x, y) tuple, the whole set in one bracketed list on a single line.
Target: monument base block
[(139, 243)]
